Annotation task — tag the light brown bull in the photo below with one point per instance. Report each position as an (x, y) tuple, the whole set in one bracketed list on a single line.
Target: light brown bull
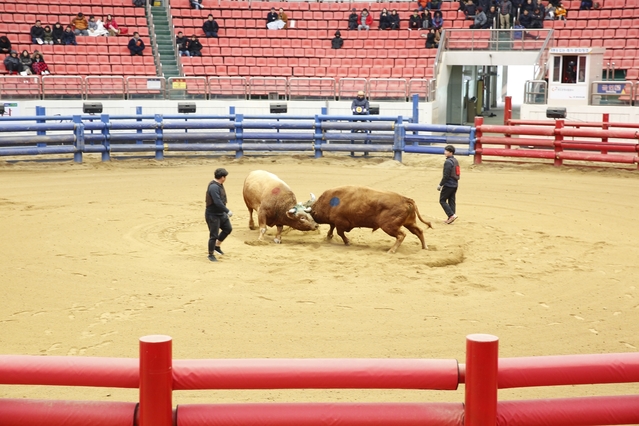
[(275, 204)]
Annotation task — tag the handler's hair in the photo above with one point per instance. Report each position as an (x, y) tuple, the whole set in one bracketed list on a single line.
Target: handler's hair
[(450, 148), (220, 173)]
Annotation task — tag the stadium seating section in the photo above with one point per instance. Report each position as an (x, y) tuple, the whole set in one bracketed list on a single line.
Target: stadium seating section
[(92, 55), (246, 48)]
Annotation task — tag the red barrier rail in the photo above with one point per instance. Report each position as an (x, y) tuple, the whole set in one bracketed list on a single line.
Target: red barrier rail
[(581, 147), (483, 374), (322, 414), (432, 374)]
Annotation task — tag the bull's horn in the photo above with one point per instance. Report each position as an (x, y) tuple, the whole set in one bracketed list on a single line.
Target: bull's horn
[(308, 209), (292, 211), (312, 200)]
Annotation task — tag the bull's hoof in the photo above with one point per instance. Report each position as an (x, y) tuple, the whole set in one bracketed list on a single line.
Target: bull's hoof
[(277, 241), (252, 227)]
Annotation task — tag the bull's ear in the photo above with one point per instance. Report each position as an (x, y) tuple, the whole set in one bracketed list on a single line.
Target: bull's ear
[(292, 211)]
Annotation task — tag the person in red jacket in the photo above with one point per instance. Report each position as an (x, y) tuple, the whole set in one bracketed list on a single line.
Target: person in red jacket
[(365, 20)]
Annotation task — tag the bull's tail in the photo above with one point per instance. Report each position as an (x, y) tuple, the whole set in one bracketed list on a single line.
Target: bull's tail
[(418, 215)]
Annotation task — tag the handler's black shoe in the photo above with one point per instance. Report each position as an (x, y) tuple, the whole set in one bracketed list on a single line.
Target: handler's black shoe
[(218, 250), (212, 258)]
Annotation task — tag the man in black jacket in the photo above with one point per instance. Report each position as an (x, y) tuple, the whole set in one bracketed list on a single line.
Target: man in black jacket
[(194, 46), (37, 33), (217, 214), (449, 183), (210, 27)]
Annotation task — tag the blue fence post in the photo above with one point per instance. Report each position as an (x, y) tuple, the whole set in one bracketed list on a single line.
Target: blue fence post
[(138, 111), (471, 141), (398, 139), (78, 130), (239, 134), (40, 111), (415, 100), (106, 155), (319, 134), (159, 142)]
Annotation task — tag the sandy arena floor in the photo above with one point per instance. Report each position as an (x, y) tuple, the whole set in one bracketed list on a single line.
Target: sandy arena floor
[(96, 255)]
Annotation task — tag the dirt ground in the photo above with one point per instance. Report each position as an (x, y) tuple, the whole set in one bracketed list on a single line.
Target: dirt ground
[(96, 255)]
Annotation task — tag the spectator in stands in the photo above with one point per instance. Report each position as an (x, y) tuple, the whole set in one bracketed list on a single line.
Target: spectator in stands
[(196, 4), (422, 5), (139, 3), (5, 45), (585, 5), (505, 10), (530, 6), (560, 12), (415, 22), (352, 19), (25, 59), (57, 32), (430, 39), (111, 25), (384, 20), (69, 36), (337, 41), (39, 66), (525, 21), (136, 45), (537, 20), (180, 42), (365, 20), (434, 5), (271, 17), (470, 10), (210, 27), (282, 16), (48, 35), (80, 25), (12, 63), (96, 27), (480, 21), (394, 20), (438, 36), (493, 17), (37, 33), (438, 20), (194, 46), (427, 19)]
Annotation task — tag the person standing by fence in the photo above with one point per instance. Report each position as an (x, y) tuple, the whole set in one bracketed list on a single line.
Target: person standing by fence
[(217, 214), (449, 183)]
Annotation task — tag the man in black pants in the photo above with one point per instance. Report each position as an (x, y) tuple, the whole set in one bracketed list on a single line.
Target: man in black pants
[(449, 183), (216, 214)]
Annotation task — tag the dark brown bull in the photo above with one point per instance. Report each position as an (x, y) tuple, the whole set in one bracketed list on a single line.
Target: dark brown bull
[(275, 204), (348, 207)]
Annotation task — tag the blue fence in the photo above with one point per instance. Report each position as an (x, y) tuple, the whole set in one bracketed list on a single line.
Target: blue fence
[(233, 133)]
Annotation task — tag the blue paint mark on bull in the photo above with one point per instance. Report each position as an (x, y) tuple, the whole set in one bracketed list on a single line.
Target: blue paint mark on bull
[(334, 202)]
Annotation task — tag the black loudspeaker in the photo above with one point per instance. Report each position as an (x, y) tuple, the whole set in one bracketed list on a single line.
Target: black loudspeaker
[(1, 108), (92, 108), (186, 107), (556, 113), (278, 108), (373, 109)]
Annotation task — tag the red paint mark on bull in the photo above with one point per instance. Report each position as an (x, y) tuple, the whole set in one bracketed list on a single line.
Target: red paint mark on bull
[(275, 190)]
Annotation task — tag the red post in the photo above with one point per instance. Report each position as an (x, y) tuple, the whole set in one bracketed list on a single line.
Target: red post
[(508, 110), (482, 357), (605, 126), (559, 138), (156, 381), (479, 121)]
